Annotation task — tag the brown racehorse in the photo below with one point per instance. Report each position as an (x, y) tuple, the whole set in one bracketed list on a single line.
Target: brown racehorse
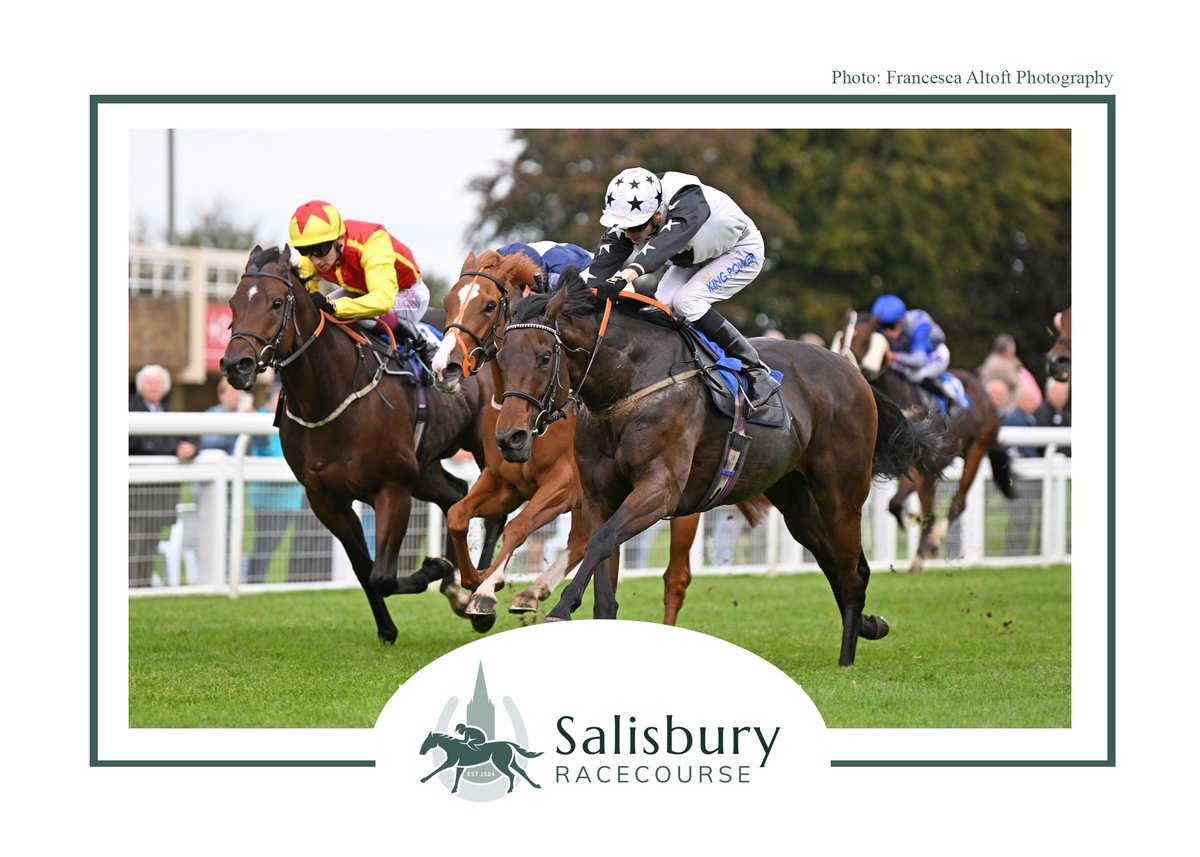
[(478, 307), (1058, 358), (650, 442), (349, 429), (972, 433)]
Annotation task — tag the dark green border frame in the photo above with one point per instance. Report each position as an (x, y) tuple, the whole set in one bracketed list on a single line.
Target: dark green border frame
[(1107, 100)]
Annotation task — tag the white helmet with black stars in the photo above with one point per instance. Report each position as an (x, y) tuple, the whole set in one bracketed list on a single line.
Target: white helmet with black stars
[(632, 198)]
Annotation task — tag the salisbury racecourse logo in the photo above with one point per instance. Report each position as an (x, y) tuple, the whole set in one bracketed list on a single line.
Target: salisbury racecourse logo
[(484, 768)]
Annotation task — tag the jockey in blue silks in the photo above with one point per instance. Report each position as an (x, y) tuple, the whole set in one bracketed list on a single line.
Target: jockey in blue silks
[(918, 348)]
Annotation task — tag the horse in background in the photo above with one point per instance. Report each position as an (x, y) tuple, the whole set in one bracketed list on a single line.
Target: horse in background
[(1058, 358), (355, 424), (478, 308), (972, 434)]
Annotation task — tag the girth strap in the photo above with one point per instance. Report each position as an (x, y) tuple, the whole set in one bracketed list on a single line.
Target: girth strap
[(737, 445)]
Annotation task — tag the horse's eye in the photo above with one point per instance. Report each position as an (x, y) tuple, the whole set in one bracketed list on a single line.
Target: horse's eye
[(544, 358), (277, 303), (491, 305)]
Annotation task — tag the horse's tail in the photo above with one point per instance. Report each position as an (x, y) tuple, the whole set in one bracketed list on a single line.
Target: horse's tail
[(1002, 470), (902, 445), (755, 509), (528, 754)]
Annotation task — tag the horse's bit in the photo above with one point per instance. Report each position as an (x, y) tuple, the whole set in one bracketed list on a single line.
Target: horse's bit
[(547, 414), (271, 346)]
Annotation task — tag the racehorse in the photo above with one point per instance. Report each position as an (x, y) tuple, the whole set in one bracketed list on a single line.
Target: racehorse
[(650, 442), (502, 755), (478, 308), (352, 426), (1058, 358), (972, 433)]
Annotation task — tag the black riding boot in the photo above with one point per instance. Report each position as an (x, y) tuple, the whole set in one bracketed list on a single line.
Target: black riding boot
[(935, 386), (407, 334), (760, 384)]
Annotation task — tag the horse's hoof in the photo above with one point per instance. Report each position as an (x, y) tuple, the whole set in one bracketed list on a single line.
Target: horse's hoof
[(388, 638), (437, 568), (481, 605), (874, 628), (523, 602), (483, 623)]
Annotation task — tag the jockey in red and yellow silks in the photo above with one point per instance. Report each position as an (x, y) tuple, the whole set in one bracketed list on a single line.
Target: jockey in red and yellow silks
[(376, 275)]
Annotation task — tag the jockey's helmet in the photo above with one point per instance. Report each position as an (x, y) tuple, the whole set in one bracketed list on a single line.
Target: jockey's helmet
[(315, 222), (632, 198), (889, 309)]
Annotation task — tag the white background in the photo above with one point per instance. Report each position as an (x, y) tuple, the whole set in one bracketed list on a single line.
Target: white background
[(51, 66)]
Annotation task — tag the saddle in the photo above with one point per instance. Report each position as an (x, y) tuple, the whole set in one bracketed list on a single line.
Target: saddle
[(404, 362), (726, 380)]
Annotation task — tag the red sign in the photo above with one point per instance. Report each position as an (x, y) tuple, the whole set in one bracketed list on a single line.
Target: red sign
[(216, 334)]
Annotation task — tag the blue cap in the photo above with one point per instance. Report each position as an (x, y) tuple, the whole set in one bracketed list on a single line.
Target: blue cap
[(889, 308), (513, 249)]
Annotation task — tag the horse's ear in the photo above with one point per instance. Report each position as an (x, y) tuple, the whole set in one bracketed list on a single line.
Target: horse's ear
[(554, 306), (469, 263), (285, 255)]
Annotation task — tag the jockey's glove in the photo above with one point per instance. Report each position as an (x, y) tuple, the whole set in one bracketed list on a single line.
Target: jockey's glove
[(611, 287), (322, 303)]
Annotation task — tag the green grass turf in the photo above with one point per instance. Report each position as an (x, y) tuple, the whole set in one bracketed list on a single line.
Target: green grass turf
[(968, 648)]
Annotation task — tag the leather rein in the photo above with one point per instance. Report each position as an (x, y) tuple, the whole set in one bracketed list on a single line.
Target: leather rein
[(487, 347), (269, 356)]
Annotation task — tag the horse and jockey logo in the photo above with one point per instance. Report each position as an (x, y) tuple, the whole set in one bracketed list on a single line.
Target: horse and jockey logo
[(461, 754), (478, 760)]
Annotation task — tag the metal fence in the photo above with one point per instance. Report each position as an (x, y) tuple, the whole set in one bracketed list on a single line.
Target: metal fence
[(225, 522)]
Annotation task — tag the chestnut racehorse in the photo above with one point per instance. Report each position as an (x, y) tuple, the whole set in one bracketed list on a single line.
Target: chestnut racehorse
[(478, 308), (651, 443), (350, 427)]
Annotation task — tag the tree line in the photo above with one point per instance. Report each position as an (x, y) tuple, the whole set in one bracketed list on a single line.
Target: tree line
[(973, 225)]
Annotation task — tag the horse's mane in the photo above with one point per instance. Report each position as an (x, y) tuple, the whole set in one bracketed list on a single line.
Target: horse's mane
[(581, 302), (516, 266)]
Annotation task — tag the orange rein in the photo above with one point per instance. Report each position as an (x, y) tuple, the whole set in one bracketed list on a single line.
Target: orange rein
[(633, 296), (344, 326)]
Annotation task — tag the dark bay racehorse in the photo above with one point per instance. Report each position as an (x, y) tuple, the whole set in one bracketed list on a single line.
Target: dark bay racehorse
[(648, 447), (502, 755), (972, 433), (350, 431), (1058, 358), (478, 308)]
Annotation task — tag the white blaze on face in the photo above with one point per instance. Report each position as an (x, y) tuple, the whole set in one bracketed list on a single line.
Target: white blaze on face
[(251, 292), (465, 295)]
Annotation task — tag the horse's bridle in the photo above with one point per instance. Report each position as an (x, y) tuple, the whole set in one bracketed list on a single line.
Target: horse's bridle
[(487, 347), (547, 413), (271, 346)]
